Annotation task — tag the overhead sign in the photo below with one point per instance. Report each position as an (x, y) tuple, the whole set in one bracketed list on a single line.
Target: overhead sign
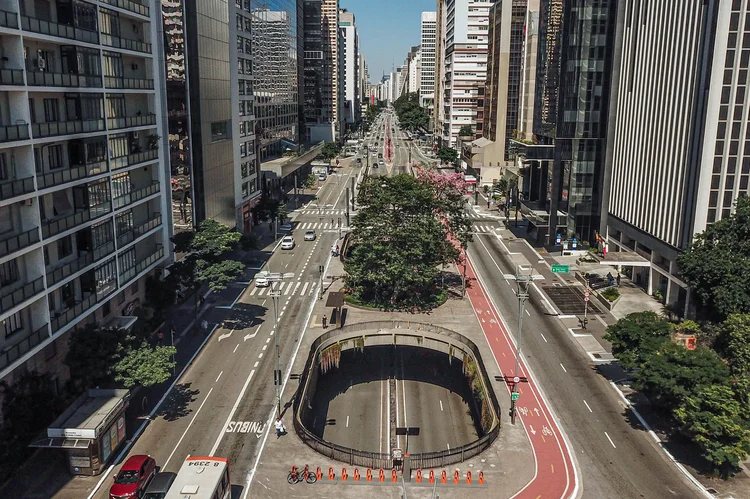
[(561, 269), (514, 396)]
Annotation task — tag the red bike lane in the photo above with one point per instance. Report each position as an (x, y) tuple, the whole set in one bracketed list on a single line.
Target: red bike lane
[(555, 476), (388, 144)]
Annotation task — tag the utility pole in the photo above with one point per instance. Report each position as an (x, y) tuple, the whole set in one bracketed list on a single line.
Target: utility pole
[(347, 212), (353, 191), (524, 276), (274, 294)]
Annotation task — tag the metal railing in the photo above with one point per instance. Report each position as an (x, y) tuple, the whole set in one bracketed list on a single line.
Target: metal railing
[(130, 121), (65, 270), (61, 224), (133, 159), (130, 5), (56, 29), (11, 77), (10, 297), (50, 79), (15, 352), (13, 243), (8, 19), (60, 319), (129, 83), (424, 460), (136, 195), (130, 273), (136, 232), (9, 133), (125, 43), (13, 188), (54, 128), (64, 176)]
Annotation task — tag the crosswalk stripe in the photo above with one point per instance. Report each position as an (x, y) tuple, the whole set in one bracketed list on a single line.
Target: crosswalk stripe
[(253, 291), (281, 286), (296, 287), (262, 290), (304, 288)]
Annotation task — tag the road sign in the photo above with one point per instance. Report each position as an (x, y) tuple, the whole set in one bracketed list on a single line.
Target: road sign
[(586, 298), (561, 269), (514, 396), (586, 292), (516, 379)]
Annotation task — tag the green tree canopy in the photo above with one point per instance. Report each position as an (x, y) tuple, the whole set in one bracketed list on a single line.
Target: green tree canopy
[(672, 373), (92, 354), (636, 337), (330, 150), (716, 266), (447, 155), (411, 115), (735, 343), (715, 421), (466, 130), (144, 365), (309, 182)]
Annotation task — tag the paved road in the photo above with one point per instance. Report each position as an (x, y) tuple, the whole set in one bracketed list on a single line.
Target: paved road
[(615, 459), (222, 404)]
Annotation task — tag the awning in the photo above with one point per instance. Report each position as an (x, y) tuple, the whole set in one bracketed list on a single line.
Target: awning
[(121, 322), (62, 443)]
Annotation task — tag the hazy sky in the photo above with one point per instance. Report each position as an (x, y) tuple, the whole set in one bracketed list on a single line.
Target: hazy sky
[(387, 30)]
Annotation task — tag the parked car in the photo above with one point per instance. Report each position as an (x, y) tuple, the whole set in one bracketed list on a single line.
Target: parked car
[(133, 478), (261, 280), (310, 235), (287, 227), (287, 242), (160, 485), (321, 176)]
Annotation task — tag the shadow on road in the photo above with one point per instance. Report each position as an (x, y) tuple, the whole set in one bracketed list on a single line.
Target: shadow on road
[(176, 406)]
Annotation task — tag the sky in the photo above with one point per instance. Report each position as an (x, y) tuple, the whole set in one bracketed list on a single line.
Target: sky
[(387, 30)]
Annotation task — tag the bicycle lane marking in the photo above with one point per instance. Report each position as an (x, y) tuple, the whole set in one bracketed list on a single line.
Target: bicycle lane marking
[(548, 454)]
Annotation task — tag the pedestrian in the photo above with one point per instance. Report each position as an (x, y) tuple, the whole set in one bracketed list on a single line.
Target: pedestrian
[(618, 279), (280, 429), (160, 337), (325, 322), (204, 325), (331, 222)]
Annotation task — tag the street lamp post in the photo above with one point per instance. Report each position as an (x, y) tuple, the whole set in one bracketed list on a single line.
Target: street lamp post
[(274, 294), (524, 276)]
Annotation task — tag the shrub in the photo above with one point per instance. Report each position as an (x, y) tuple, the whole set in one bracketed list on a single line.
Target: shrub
[(611, 294)]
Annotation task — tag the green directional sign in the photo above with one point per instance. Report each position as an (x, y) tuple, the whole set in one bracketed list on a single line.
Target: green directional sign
[(514, 396), (561, 269)]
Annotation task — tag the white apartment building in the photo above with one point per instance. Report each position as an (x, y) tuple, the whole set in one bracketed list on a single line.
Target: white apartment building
[(427, 59), (84, 205), (349, 77), (415, 72), (465, 61), (671, 180)]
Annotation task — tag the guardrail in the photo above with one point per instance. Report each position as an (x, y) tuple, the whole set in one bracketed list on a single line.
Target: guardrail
[(375, 459)]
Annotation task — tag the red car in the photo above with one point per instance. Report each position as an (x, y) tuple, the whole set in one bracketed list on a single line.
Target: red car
[(134, 476)]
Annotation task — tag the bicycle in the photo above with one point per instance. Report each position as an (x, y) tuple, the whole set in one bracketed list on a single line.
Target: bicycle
[(305, 476)]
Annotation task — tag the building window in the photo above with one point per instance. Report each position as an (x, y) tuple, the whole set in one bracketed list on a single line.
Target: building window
[(55, 157), (13, 324), (127, 260), (64, 247), (8, 273), (219, 131)]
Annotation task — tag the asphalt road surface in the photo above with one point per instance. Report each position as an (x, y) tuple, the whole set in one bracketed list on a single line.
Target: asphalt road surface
[(615, 455)]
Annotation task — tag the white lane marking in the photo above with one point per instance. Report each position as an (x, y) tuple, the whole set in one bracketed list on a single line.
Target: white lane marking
[(253, 291), (527, 312), (347, 421), (449, 446), (610, 440), (188, 428), (304, 288), (441, 405), (236, 347), (231, 413), (256, 364), (296, 287), (545, 339), (263, 290), (260, 355), (563, 367), (266, 346), (281, 286), (264, 303), (288, 289), (249, 336), (268, 339), (587, 406), (219, 376)]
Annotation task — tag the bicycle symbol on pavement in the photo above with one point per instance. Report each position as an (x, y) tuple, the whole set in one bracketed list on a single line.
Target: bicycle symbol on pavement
[(546, 431), (523, 410)]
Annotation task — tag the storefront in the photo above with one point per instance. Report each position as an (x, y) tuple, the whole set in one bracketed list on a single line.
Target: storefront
[(90, 431)]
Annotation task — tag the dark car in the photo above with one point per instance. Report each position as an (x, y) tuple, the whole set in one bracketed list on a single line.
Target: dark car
[(160, 485), (133, 478)]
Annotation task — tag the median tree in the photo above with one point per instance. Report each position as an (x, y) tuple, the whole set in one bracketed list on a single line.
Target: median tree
[(447, 155), (329, 151), (144, 365), (636, 336), (716, 265)]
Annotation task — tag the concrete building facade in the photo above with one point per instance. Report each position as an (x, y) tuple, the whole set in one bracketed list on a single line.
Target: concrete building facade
[(428, 40), (350, 76)]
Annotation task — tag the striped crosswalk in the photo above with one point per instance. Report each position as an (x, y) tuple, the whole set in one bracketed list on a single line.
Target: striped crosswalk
[(319, 225), (483, 229), (290, 288), (324, 211)]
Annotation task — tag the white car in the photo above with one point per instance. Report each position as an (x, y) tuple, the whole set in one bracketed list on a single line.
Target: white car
[(310, 235), (261, 280), (287, 243), (321, 176)]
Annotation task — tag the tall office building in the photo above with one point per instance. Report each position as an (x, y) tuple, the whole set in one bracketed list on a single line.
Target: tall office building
[(427, 60), (548, 67), (364, 78), (528, 82), (415, 72), (350, 78), (321, 62), (84, 198), (465, 60), (438, 110), (671, 180)]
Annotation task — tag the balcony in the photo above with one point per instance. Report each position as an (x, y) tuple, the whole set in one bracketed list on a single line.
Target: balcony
[(11, 77), (12, 188), (63, 176), (128, 83), (130, 5), (48, 79), (50, 28), (134, 159), (65, 270), (130, 273), (8, 19), (133, 234), (10, 133), (64, 317), (65, 222), (15, 242), (15, 352), (136, 195), (131, 121), (55, 128), (10, 296), (125, 43)]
